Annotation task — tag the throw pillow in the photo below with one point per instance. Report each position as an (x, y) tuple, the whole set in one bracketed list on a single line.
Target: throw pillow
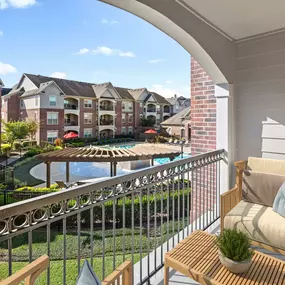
[(279, 202), (87, 275)]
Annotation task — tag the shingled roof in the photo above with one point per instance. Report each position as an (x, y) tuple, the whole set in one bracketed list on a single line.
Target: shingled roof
[(124, 93), (160, 99), (69, 87), (178, 119)]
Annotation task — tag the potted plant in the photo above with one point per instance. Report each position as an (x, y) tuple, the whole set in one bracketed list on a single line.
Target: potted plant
[(234, 250)]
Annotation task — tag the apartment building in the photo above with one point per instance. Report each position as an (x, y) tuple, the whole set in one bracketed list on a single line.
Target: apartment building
[(179, 103), (88, 109)]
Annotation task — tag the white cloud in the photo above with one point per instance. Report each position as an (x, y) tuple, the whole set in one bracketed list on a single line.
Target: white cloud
[(157, 60), (116, 52), (169, 92), (83, 51), (58, 74), (6, 68), (109, 22), (1, 33), (126, 54), (16, 3), (168, 81)]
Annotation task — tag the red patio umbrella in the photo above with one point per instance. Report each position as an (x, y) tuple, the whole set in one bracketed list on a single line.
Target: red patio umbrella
[(70, 135), (150, 132)]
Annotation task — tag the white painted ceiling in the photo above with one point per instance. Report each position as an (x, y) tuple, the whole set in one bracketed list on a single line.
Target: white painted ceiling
[(241, 18)]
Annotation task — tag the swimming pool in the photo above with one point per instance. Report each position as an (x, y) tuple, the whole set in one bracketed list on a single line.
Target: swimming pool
[(166, 159)]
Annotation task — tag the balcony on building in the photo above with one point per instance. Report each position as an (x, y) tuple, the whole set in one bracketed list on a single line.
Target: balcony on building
[(152, 119), (107, 120), (166, 109), (71, 106), (151, 108), (106, 106)]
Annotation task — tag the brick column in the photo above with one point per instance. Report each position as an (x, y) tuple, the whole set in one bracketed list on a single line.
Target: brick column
[(203, 110), (203, 138)]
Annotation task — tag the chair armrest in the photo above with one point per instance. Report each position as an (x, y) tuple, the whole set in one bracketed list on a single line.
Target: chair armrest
[(29, 273), (240, 167), (228, 201), (124, 271)]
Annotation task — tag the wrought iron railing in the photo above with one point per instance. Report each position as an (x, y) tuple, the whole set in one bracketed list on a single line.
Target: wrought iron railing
[(137, 216)]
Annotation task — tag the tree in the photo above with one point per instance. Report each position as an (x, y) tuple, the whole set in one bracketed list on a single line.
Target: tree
[(147, 122), (32, 128), (16, 130)]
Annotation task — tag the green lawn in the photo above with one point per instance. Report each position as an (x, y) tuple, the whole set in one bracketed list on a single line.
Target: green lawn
[(56, 269), (22, 172)]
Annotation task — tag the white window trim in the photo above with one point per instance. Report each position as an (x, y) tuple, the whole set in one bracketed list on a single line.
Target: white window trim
[(52, 119), (85, 105), (87, 133), (88, 123), (54, 137), (50, 101)]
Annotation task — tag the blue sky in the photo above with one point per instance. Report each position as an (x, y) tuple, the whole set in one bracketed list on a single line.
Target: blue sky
[(89, 41)]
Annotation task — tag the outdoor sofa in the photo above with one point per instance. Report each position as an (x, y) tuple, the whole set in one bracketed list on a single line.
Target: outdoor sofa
[(248, 206)]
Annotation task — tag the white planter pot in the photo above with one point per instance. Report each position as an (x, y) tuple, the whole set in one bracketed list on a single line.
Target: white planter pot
[(234, 266)]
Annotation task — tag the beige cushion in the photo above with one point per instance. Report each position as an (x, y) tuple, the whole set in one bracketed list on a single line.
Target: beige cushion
[(261, 188), (266, 165), (260, 223)]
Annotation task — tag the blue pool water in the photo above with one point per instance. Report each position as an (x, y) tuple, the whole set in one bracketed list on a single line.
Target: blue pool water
[(166, 160)]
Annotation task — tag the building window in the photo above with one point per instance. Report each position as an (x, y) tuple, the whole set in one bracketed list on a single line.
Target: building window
[(87, 133), (130, 129), (36, 101), (123, 130), (52, 136), (130, 118), (52, 100), (87, 103), (124, 106), (22, 103), (130, 106), (123, 118), (87, 118), (52, 118)]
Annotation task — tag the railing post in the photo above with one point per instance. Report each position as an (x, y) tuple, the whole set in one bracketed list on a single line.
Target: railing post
[(5, 198)]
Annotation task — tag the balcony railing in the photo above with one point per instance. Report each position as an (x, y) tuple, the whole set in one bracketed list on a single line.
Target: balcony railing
[(70, 107), (70, 123), (106, 108), (151, 110), (137, 216), (107, 123)]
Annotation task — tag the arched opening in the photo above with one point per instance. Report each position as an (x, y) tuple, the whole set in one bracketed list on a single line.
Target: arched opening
[(70, 103), (166, 109), (107, 134), (151, 108), (165, 118), (167, 18), (106, 120), (70, 120), (107, 105)]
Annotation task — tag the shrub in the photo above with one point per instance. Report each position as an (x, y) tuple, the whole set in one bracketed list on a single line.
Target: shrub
[(6, 148), (29, 143), (234, 244), (57, 147), (53, 188), (58, 142), (78, 144), (32, 152)]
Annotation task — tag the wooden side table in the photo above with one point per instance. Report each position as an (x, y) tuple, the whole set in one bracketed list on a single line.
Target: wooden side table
[(196, 257)]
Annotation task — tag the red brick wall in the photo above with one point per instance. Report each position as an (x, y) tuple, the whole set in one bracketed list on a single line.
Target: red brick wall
[(92, 110), (203, 110), (203, 137), (44, 127)]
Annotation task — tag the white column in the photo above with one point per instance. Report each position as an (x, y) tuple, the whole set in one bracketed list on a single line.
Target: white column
[(225, 133)]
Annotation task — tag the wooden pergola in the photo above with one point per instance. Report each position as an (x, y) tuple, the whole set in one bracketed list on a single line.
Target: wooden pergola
[(113, 156)]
